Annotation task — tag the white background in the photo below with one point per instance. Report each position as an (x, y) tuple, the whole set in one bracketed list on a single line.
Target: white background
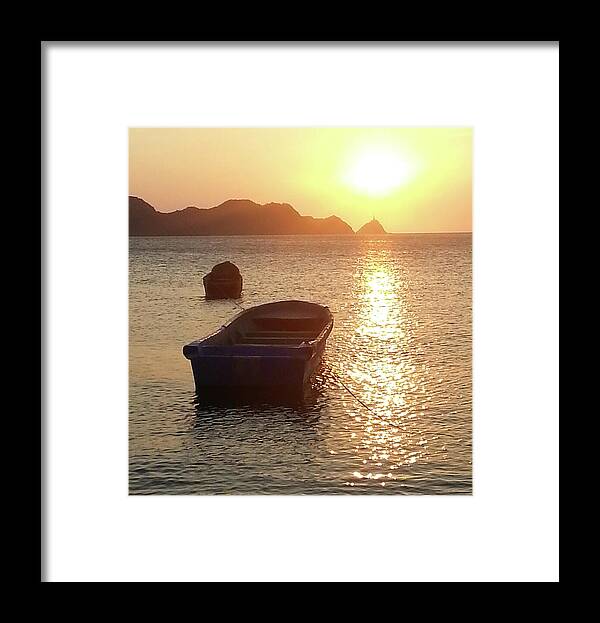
[(506, 531)]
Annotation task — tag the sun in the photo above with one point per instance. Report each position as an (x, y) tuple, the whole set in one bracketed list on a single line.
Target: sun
[(378, 170)]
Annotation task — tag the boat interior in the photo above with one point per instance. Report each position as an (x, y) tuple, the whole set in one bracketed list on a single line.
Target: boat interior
[(284, 323), (288, 323), (277, 331)]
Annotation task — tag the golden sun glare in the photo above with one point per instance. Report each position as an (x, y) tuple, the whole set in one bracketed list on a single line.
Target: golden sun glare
[(378, 170)]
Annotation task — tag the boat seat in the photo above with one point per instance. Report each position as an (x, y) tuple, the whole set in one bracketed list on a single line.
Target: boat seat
[(293, 334), (274, 341), (291, 324)]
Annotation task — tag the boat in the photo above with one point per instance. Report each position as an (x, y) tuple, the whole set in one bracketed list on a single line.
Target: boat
[(274, 346), (224, 281)]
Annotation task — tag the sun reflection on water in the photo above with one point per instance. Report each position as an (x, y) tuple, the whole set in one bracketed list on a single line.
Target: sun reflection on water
[(383, 368)]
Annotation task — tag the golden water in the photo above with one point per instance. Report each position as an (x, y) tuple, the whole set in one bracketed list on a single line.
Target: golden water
[(401, 342)]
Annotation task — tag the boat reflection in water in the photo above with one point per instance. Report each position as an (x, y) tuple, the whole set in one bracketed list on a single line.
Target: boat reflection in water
[(310, 395), (276, 407)]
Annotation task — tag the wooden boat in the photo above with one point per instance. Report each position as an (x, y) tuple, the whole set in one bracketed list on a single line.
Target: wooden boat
[(276, 346), (224, 281)]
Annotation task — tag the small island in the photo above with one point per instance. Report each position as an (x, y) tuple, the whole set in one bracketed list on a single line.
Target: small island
[(372, 228)]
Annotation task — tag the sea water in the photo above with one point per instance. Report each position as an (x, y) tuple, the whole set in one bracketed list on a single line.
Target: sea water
[(401, 344)]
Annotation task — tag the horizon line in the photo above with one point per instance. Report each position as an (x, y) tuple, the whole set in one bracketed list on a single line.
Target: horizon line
[(354, 233)]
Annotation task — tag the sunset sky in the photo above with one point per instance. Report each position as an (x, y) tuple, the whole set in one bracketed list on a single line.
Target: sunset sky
[(410, 179)]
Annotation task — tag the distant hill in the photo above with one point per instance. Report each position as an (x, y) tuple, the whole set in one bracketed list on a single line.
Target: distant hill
[(372, 228), (235, 216)]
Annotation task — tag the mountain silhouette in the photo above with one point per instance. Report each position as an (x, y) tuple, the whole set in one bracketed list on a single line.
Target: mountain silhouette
[(372, 228), (233, 217)]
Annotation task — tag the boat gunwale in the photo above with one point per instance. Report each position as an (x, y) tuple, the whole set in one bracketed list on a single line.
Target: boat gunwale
[(220, 350)]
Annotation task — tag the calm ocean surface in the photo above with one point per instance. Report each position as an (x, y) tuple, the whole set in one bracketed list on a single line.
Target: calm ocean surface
[(401, 341)]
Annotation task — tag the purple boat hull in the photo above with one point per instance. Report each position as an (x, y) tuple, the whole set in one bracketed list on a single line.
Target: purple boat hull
[(274, 346)]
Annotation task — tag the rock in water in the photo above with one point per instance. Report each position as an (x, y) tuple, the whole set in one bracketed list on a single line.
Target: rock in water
[(223, 282), (372, 228), (225, 269)]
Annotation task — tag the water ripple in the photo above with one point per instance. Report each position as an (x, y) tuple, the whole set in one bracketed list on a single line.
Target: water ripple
[(401, 341)]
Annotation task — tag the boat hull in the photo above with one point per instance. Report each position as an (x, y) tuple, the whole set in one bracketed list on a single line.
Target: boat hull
[(258, 369), (283, 364), (248, 371)]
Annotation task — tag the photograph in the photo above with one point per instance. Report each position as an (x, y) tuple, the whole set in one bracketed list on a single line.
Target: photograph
[(300, 311)]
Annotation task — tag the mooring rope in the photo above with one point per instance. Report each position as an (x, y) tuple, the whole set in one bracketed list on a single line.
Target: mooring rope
[(366, 406), (238, 304), (338, 379), (221, 289)]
